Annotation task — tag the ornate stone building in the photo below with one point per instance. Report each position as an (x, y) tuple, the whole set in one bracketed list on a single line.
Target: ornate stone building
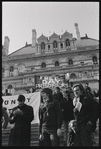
[(48, 61)]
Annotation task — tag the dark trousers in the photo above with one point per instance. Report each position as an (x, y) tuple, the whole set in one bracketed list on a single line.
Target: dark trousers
[(50, 137), (83, 137)]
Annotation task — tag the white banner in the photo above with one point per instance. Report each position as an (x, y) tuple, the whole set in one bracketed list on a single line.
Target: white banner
[(32, 99)]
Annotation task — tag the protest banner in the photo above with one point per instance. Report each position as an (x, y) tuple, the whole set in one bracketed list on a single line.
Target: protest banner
[(32, 99)]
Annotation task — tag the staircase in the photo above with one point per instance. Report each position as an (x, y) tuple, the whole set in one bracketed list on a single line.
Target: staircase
[(35, 135)]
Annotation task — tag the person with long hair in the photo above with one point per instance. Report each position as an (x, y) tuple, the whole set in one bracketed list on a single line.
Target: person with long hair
[(50, 116)]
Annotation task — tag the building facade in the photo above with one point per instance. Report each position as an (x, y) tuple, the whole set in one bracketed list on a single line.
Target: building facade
[(51, 61)]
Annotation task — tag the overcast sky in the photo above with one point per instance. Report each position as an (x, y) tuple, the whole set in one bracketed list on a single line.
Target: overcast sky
[(19, 18)]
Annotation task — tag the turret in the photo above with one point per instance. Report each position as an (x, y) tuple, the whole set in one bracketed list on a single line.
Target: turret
[(6, 45), (34, 35), (77, 31)]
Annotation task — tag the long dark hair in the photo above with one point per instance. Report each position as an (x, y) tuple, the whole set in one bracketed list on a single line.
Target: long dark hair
[(49, 92)]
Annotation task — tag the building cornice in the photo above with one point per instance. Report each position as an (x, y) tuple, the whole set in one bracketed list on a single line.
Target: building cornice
[(68, 53)]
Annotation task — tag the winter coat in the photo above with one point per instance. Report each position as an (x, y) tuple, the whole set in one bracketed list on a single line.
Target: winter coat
[(20, 133), (88, 112), (50, 115)]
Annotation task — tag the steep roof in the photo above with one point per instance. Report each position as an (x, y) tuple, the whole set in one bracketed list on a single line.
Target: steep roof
[(28, 49), (54, 35), (42, 37), (66, 34)]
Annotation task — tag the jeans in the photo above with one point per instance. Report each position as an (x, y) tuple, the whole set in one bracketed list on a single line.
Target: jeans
[(50, 137)]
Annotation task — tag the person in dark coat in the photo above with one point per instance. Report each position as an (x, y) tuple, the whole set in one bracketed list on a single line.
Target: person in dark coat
[(58, 95), (86, 114), (50, 116), (21, 117), (67, 111)]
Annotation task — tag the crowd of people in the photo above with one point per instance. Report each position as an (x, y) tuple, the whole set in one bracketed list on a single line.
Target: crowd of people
[(76, 109)]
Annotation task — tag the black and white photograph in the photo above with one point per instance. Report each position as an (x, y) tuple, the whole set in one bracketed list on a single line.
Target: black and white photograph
[(50, 73)]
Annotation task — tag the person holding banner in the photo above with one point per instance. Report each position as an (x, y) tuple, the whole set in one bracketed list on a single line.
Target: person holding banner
[(50, 116), (21, 117)]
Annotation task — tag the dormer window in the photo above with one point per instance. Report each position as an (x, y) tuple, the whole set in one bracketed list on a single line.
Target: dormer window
[(42, 46), (55, 44), (67, 42)]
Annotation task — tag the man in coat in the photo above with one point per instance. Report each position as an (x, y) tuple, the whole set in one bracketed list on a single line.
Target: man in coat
[(21, 116), (86, 113)]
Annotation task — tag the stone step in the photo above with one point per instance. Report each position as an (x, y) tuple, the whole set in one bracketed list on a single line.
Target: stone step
[(35, 136)]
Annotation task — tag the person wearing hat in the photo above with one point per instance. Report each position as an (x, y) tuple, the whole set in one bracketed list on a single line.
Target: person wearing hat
[(21, 117), (86, 114)]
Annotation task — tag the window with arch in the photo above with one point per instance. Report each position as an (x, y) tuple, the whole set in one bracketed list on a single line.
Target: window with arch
[(48, 47), (43, 65), (11, 69), (42, 46), (94, 58), (67, 42), (55, 45), (3, 70), (70, 62), (56, 63), (73, 76), (61, 45)]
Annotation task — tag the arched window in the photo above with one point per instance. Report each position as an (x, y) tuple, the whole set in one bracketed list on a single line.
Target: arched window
[(94, 58), (48, 47), (42, 46), (11, 71), (73, 76), (55, 45), (43, 65), (67, 42), (70, 62), (56, 63)]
